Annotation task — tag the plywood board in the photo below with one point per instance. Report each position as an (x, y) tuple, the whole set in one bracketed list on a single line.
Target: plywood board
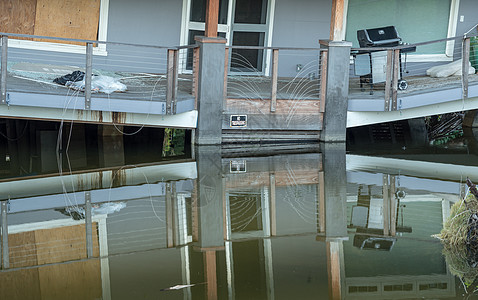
[(64, 244), (79, 280), (76, 19), (22, 249), (17, 16), (20, 285)]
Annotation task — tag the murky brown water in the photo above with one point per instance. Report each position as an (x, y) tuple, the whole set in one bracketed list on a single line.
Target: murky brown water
[(288, 222)]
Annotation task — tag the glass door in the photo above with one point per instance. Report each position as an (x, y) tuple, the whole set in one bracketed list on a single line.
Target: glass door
[(241, 22), (250, 27)]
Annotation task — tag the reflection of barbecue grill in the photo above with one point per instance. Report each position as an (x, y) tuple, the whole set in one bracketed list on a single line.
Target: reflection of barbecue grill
[(371, 65)]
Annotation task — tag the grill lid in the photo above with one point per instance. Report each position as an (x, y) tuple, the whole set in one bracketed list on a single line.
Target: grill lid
[(382, 36)]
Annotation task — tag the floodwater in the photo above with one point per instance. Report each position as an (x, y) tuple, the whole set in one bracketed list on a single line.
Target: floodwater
[(284, 222)]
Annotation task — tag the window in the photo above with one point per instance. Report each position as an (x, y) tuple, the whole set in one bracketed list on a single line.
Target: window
[(77, 19), (415, 21)]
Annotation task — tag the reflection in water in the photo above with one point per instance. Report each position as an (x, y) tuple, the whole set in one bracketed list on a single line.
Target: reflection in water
[(318, 224)]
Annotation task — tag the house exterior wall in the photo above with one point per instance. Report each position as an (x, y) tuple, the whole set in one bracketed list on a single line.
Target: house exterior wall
[(468, 9), (147, 22)]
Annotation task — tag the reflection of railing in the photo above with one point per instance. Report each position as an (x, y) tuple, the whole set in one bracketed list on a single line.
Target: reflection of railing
[(395, 71), (149, 72)]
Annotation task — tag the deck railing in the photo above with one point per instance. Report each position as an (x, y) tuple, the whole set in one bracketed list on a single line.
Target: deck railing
[(150, 73), (278, 84), (408, 73)]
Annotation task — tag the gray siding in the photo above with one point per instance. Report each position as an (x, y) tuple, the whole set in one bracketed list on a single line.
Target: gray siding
[(147, 22)]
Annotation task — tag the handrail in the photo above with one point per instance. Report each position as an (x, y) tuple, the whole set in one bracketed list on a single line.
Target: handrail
[(475, 26), (404, 46), (273, 48), (82, 41)]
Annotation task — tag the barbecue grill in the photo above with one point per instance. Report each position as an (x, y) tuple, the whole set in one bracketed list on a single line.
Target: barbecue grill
[(371, 65)]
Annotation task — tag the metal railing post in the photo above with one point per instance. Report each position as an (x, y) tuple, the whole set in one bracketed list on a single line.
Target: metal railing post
[(465, 66), (3, 71), (275, 68), (88, 73), (172, 79)]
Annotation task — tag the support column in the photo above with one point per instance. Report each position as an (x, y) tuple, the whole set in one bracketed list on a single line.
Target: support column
[(210, 198), (337, 89), (334, 184), (210, 90), (209, 212)]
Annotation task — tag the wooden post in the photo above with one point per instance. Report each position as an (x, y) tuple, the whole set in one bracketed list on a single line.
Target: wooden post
[(88, 225), (321, 203), (169, 217), (210, 274), (224, 209), (386, 205), (172, 80), (396, 75), (337, 20), (275, 68), (388, 79), (5, 249), (393, 207), (195, 76), (88, 73), (323, 79), (465, 66), (3, 71), (335, 269), (212, 15), (226, 67), (273, 212), (195, 212)]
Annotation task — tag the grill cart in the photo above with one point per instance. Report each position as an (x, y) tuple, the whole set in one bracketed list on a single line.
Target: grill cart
[(371, 65)]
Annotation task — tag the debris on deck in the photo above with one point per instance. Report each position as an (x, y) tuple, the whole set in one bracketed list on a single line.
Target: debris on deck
[(101, 83), (451, 69)]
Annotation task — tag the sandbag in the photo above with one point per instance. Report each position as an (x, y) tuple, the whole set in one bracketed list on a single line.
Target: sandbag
[(451, 69)]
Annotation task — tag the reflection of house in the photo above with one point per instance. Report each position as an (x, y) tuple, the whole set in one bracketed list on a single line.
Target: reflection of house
[(50, 260)]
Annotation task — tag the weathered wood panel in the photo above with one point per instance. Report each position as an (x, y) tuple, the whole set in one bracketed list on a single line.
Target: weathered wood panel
[(290, 114), (22, 249), (77, 19), (282, 178), (277, 122), (79, 280), (17, 16), (64, 244), (283, 107), (20, 285), (57, 281)]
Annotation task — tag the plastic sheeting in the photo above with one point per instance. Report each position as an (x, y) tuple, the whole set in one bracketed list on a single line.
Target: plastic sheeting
[(101, 83)]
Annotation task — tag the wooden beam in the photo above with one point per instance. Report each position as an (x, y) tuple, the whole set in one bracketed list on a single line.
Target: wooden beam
[(337, 20), (212, 15), (275, 68), (210, 274)]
